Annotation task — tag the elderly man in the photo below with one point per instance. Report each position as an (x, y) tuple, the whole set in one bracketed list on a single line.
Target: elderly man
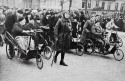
[(10, 21), (87, 29)]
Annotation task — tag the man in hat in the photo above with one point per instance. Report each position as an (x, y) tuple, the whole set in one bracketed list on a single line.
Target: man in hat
[(10, 21)]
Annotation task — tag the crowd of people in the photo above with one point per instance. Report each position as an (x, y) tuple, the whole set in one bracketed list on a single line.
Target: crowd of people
[(59, 26)]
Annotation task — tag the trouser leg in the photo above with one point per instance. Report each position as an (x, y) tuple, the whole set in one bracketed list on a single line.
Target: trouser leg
[(62, 56)]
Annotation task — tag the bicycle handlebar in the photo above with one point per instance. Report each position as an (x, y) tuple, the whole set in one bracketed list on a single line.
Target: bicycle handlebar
[(33, 31), (44, 27)]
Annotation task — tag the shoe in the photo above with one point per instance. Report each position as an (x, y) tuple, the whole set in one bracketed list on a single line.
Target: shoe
[(63, 63)]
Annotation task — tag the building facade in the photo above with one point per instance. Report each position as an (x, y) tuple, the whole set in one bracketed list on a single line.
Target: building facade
[(110, 5), (107, 5)]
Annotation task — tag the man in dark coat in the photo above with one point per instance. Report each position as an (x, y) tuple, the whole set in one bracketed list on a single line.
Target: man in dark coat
[(87, 28), (10, 21), (62, 36)]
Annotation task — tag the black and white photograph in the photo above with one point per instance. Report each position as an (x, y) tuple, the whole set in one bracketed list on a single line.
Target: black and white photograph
[(62, 40)]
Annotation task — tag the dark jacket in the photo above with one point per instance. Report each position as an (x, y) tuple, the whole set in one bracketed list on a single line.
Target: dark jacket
[(18, 29), (10, 21), (33, 26), (63, 33), (88, 26)]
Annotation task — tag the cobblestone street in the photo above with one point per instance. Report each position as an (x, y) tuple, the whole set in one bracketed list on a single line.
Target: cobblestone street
[(95, 67)]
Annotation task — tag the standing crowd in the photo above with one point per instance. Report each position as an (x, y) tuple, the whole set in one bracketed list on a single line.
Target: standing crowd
[(59, 26)]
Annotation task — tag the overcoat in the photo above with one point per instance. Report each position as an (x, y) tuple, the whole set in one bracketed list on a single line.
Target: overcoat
[(63, 34)]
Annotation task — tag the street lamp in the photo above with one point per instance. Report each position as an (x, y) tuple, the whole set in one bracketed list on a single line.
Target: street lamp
[(85, 6), (70, 4), (61, 4)]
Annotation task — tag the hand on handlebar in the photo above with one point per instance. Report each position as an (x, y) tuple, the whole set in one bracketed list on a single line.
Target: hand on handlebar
[(29, 32), (44, 27)]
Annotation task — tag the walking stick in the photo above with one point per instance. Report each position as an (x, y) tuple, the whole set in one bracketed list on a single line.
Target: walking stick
[(54, 52)]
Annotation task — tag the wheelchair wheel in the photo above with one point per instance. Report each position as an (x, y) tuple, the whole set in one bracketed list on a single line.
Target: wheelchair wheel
[(79, 50), (39, 61), (1, 44), (118, 55), (120, 42), (47, 52), (88, 46), (10, 56)]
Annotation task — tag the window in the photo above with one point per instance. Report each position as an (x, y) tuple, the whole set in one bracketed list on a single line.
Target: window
[(97, 4), (103, 5), (89, 4), (122, 7), (109, 6), (116, 6), (83, 3)]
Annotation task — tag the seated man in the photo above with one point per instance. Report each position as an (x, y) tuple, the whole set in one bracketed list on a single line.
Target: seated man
[(20, 33), (109, 28), (97, 34), (87, 30), (98, 39), (33, 24)]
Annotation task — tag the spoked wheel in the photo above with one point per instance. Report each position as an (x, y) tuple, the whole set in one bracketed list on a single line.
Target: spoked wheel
[(80, 50), (118, 55), (120, 42), (47, 52), (1, 44), (39, 61), (88, 46), (1, 41), (10, 56)]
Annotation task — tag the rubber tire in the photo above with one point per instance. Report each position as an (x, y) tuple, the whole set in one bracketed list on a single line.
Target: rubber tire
[(39, 60), (7, 52), (92, 46), (80, 53), (50, 52), (116, 52)]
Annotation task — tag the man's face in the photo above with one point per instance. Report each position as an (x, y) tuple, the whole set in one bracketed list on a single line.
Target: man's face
[(47, 16), (93, 18), (97, 17), (23, 22), (29, 16), (31, 21), (27, 11), (97, 24), (44, 11), (66, 15), (38, 21), (19, 15)]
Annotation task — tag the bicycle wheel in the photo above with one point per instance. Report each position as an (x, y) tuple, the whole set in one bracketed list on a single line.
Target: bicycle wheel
[(120, 44), (88, 46), (39, 61), (79, 50), (47, 52), (118, 55), (9, 55)]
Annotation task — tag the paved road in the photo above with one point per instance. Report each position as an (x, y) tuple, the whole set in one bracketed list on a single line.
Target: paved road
[(81, 68)]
